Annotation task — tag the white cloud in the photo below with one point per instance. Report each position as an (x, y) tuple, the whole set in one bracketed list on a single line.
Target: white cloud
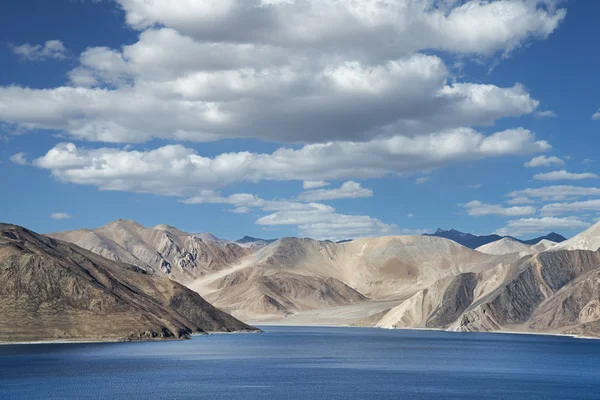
[(308, 185), (530, 226), (546, 114), (52, 49), (544, 161), (241, 210), (564, 175), (556, 193), (422, 180), (177, 170), (478, 209), (346, 101), (20, 159), (101, 65), (383, 27), (588, 162), (322, 222), (307, 71), (520, 200), (348, 190), (240, 200), (596, 115), (60, 216), (247, 201), (411, 215), (565, 208), (314, 220)]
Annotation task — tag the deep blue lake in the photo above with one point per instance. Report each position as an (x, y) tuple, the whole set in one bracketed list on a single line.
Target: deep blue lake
[(303, 363)]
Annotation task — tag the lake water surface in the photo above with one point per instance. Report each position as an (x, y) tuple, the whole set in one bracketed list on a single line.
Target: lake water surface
[(305, 363)]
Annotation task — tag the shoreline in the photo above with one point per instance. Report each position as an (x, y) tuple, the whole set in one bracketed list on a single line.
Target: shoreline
[(61, 341), (583, 337), (98, 341)]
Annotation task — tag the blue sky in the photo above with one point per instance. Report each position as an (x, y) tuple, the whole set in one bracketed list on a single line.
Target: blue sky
[(217, 117)]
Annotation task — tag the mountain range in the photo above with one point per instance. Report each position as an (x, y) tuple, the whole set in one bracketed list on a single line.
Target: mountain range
[(387, 282), (474, 241), (56, 290), (250, 239)]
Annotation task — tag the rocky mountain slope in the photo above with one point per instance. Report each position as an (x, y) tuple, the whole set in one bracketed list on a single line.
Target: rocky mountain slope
[(294, 275), (55, 290), (552, 237), (474, 241), (542, 293), (412, 282), (252, 242), (506, 246), (544, 245), (587, 240), (163, 248), (551, 292)]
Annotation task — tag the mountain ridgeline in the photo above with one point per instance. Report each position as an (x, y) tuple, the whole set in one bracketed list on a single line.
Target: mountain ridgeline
[(474, 241), (54, 290), (250, 239), (386, 282), (163, 249)]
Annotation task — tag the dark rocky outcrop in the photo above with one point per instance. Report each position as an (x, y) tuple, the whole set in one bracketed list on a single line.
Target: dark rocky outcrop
[(547, 278), (457, 298), (54, 290)]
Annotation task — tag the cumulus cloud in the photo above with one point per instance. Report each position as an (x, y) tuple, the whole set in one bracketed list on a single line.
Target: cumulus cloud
[(308, 71), (564, 175), (529, 226), (565, 208), (383, 27), (314, 220), (177, 170), (476, 208), (241, 210), (348, 190), (556, 193), (101, 65), (544, 161), (546, 114), (596, 115), (322, 222), (20, 159), (248, 201), (520, 200), (52, 49), (309, 185), (348, 101), (60, 216)]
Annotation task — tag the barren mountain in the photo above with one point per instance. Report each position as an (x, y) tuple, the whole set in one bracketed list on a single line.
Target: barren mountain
[(544, 245), (294, 275), (254, 243), (474, 241), (407, 282), (278, 280), (539, 296), (56, 290), (163, 248), (587, 240), (551, 292), (506, 246)]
